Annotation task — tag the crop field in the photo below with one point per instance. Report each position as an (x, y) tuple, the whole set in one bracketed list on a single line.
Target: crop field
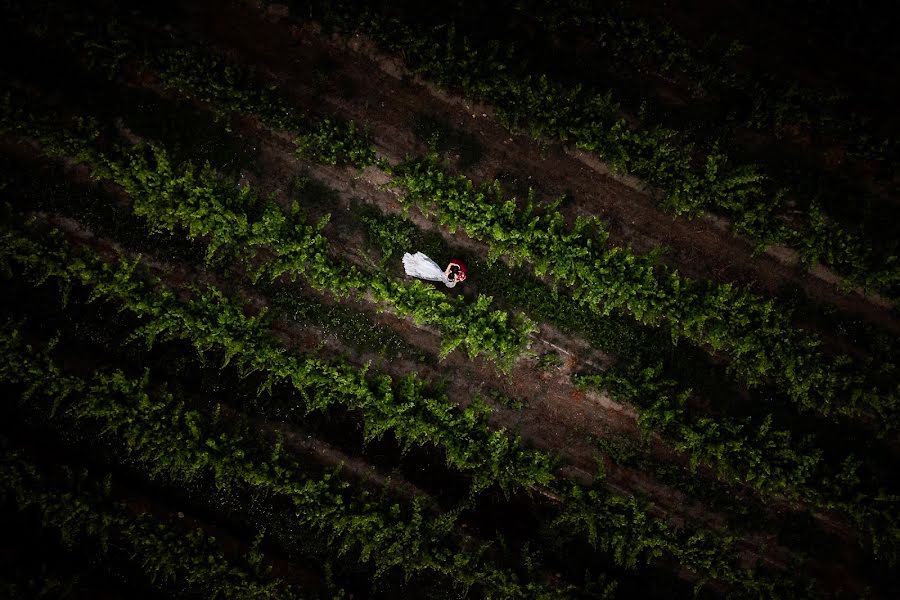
[(671, 372)]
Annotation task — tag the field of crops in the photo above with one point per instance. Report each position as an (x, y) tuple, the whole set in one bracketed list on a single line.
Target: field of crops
[(671, 373)]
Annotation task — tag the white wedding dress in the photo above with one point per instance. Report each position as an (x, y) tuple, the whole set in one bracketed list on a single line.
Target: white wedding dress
[(419, 265)]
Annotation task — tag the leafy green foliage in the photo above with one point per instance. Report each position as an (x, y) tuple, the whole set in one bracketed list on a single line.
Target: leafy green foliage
[(691, 180), (333, 142), (757, 335), (586, 227), (624, 528), (226, 86), (753, 452), (80, 510), (550, 361), (209, 321), (160, 432), (390, 234), (270, 244), (212, 321), (756, 453)]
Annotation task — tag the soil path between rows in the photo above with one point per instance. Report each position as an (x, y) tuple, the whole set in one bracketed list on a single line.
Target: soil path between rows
[(389, 101), (561, 405), (558, 418), (546, 422)]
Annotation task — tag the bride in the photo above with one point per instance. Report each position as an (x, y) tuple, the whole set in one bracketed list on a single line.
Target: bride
[(419, 265)]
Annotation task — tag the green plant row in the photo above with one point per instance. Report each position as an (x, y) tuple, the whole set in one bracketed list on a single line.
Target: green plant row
[(79, 508), (804, 371), (46, 585), (757, 99), (614, 519), (745, 451), (333, 141), (199, 80), (233, 90), (769, 460), (593, 512), (623, 527), (158, 194), (637, 515), (725, 446), (757, 336), (270, 244), (771, 466), (754, 453), (691, 180), (229, 89), (159, 431), (654, 154), (212, 321), (156, 186), (108, 46), (749, 451), (798, 367), (207, 327)]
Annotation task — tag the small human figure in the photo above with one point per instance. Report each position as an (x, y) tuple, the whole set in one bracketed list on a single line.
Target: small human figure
[(419, 265), (455, 272)]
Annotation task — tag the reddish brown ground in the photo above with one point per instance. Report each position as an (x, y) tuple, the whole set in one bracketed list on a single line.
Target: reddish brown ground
[(387, 101), (557, 417)]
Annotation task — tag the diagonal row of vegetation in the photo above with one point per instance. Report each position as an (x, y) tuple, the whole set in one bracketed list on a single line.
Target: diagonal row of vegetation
[(212, 321), (639, 537), (763, 456), (331, 140), (756, 99), (728, 101), (755, 333), (78, 508), (751, 451), (270, 244), (629, 533), (159, 431), (724, 445), (691, 180), (234, 403), (536, 292), (203, 206), (232, 90), (759, 338), (40, 582), (187, 368), (325, 139)]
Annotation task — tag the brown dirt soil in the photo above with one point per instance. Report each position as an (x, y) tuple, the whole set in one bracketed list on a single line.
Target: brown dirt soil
[(825, 153), (557, 418), (387, 100), (563, 408)]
